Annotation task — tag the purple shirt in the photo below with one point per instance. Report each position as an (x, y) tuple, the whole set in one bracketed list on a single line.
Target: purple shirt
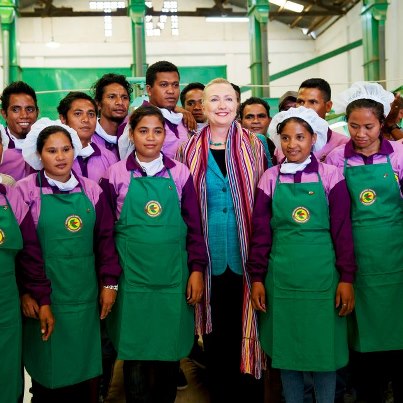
[(334, 140), (94, 166), (14, 165), (339, 212), (387, 148), (115, 184), (107, 263)]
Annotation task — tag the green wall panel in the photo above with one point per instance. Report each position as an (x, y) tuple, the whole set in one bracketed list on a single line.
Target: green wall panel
[(52, 84)]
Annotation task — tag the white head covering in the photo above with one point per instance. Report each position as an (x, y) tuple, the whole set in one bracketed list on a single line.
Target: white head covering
[(4, 138), (319, 125), (29, 148), (363, 90), (125, 145)]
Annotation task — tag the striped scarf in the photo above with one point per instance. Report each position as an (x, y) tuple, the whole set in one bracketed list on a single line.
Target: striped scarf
[(245, 165)]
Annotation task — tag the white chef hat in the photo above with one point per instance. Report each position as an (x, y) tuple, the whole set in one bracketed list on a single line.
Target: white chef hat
[(363, 90), (319, 125), (125, 145), (29, 152), (4, 138)]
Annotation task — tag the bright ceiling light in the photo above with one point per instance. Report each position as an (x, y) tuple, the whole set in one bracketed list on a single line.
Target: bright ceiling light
[(227, 19), (289, 5), (53, 44)]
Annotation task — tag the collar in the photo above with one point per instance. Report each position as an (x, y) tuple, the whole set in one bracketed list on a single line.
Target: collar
[(106, 136), (133, 165), (384, 149), (2, 189), (55, 189), (329, 134)]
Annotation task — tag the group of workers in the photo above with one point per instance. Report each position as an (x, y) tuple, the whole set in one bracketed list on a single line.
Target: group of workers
[(277, 240)]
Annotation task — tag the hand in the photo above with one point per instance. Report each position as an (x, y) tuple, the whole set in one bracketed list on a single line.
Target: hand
[(106, 300), (258, 296), (394, 112), (47, 321), (188, 119), (194, 292), (29, 306), (345, 298)]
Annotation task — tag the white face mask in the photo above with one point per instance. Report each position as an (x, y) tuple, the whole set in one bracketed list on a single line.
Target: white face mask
[(107, 137), (86, 151), (153, 167), (292, 167), (174, 118), (63, 186)]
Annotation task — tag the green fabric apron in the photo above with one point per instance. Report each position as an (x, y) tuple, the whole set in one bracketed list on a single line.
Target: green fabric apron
[(10, 319), (377, 218), (151, 319), (73, 352), (301, 329)]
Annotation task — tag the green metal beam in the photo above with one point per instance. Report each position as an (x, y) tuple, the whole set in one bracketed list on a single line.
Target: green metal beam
[(258, 12), (137, 11), (316, 60), (11, 68), (373, 17)]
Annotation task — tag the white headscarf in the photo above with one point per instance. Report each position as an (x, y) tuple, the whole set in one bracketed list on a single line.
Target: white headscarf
[(363, 90), (319, 125), (29, 152)]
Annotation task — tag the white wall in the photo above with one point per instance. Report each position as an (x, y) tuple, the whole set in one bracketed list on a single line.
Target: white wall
[(200, 43)]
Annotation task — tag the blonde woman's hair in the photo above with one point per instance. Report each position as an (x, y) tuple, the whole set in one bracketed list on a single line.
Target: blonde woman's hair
[(218, 80)]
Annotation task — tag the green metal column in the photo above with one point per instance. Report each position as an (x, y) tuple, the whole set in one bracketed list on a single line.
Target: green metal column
[(373, 16), (11, 68), (137, 11), (258, 12)]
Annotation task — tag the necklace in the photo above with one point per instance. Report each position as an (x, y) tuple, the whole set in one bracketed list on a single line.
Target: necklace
[(216, 144)]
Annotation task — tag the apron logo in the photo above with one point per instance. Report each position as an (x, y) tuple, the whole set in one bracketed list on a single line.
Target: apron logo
[(153, 209), (73, 223), (367, 197), (300, 215), (2, 237)]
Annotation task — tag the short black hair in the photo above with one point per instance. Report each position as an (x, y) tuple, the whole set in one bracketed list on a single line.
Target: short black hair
[(189, 87), (145, 110), (159, 67), (17, 87), (363, 103), (253, 101), (321, 85), (65, 103), (110, 78), (47, 132)]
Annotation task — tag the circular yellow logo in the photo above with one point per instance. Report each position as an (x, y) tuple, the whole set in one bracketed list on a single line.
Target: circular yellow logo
[(73, 223), (300, 214), (2, 237), (153, 208), (367, 197)]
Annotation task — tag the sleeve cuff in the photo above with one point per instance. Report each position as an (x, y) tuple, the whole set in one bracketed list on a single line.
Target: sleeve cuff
[(196, 267)]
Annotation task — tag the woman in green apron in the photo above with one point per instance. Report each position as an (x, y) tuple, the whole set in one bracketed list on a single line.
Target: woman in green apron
[(163, 256), (301, 254), (373, 168), (14, 217), (74, 224)]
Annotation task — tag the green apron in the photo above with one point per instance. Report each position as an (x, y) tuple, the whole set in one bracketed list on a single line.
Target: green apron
[(73, 352), (301, 329), (377, 218), (151, 319), (10, 319)]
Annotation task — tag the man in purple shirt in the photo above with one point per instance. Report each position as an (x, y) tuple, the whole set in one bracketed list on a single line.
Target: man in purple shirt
[(20, 110), (112, 93), (315, 93), (162, 84)]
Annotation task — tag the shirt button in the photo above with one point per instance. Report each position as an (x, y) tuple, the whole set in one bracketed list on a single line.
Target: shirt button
[(224, 210), (224, 189)]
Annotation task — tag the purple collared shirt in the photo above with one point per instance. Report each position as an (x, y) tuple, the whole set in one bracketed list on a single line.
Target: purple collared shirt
[(107, 263), (115, 184), (94, 166), (13, 164), (339, 215), (387, 148)]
